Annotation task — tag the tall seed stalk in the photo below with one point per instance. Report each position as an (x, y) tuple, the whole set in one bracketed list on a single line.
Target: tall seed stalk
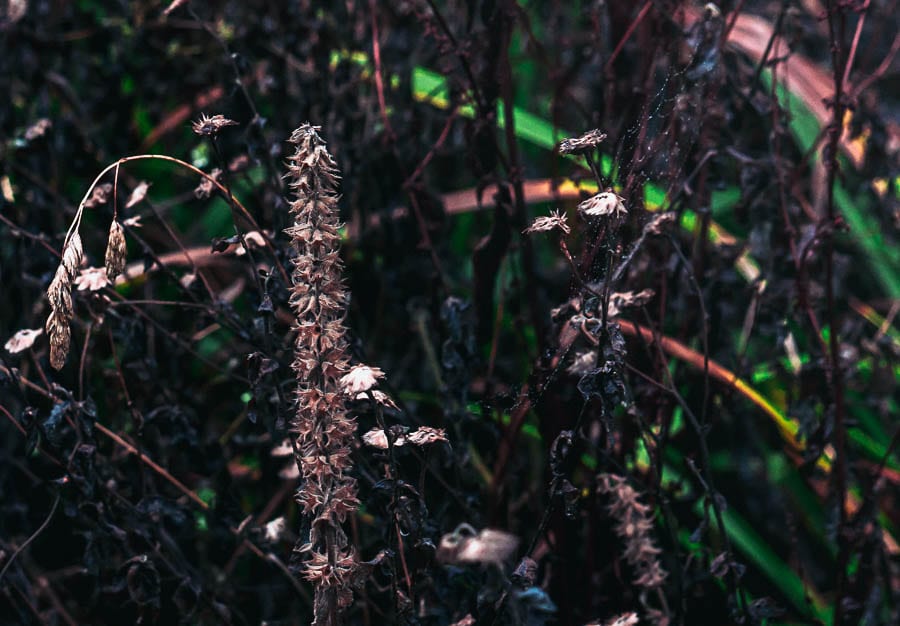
[(324, 429)]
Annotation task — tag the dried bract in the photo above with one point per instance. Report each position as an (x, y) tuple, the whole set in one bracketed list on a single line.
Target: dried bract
[(209, 126), (546, 223), (583, 144), (116, 250), (660, 222)]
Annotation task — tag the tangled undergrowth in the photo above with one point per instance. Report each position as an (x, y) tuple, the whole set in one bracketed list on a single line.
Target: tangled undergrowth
[(552, 313)]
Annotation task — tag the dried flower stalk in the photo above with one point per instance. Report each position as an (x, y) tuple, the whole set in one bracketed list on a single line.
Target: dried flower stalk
[(323, 427), (634, 526)]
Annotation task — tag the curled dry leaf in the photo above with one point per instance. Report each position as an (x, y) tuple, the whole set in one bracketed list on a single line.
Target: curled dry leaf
[(22, 340), (38, 129), (626, 299), (139, 193), (425, 435), (464, 545), (380, 397), (205, 188)]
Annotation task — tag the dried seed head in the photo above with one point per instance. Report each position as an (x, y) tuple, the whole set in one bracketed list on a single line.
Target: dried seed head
[(209, 126), (60, 293), (546, 223), (60, 335), (603, 204), (72, 255), (582, 145), (116, 250)]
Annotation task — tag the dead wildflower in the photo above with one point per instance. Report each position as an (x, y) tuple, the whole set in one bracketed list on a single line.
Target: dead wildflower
[(377, 438), (546, 223), (38, 129), (92, 279), (359, 379), (602, 205), (323, 427), (116, 250), (633, 526), (22, 340), (205, 188), (425, 435), (209, 126), (99, 195), (138, 194), (583, 144)]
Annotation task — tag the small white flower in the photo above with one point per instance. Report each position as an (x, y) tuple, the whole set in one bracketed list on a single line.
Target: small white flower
[(275, 529)]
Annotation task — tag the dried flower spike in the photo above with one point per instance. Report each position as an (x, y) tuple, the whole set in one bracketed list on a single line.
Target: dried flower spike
[(633, 526), (116, 250), (323, 427), (582, 145), (208, 126)]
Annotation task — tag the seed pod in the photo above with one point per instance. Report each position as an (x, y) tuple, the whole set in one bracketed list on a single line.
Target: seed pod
[(60, 293), (116, 250)]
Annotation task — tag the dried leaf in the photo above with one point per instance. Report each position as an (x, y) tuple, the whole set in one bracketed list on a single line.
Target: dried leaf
[(22, 340)]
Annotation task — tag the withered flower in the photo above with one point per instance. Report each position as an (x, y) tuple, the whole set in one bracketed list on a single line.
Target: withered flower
[(546, 223), (603, 204), (583, 144), (209, 126)]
